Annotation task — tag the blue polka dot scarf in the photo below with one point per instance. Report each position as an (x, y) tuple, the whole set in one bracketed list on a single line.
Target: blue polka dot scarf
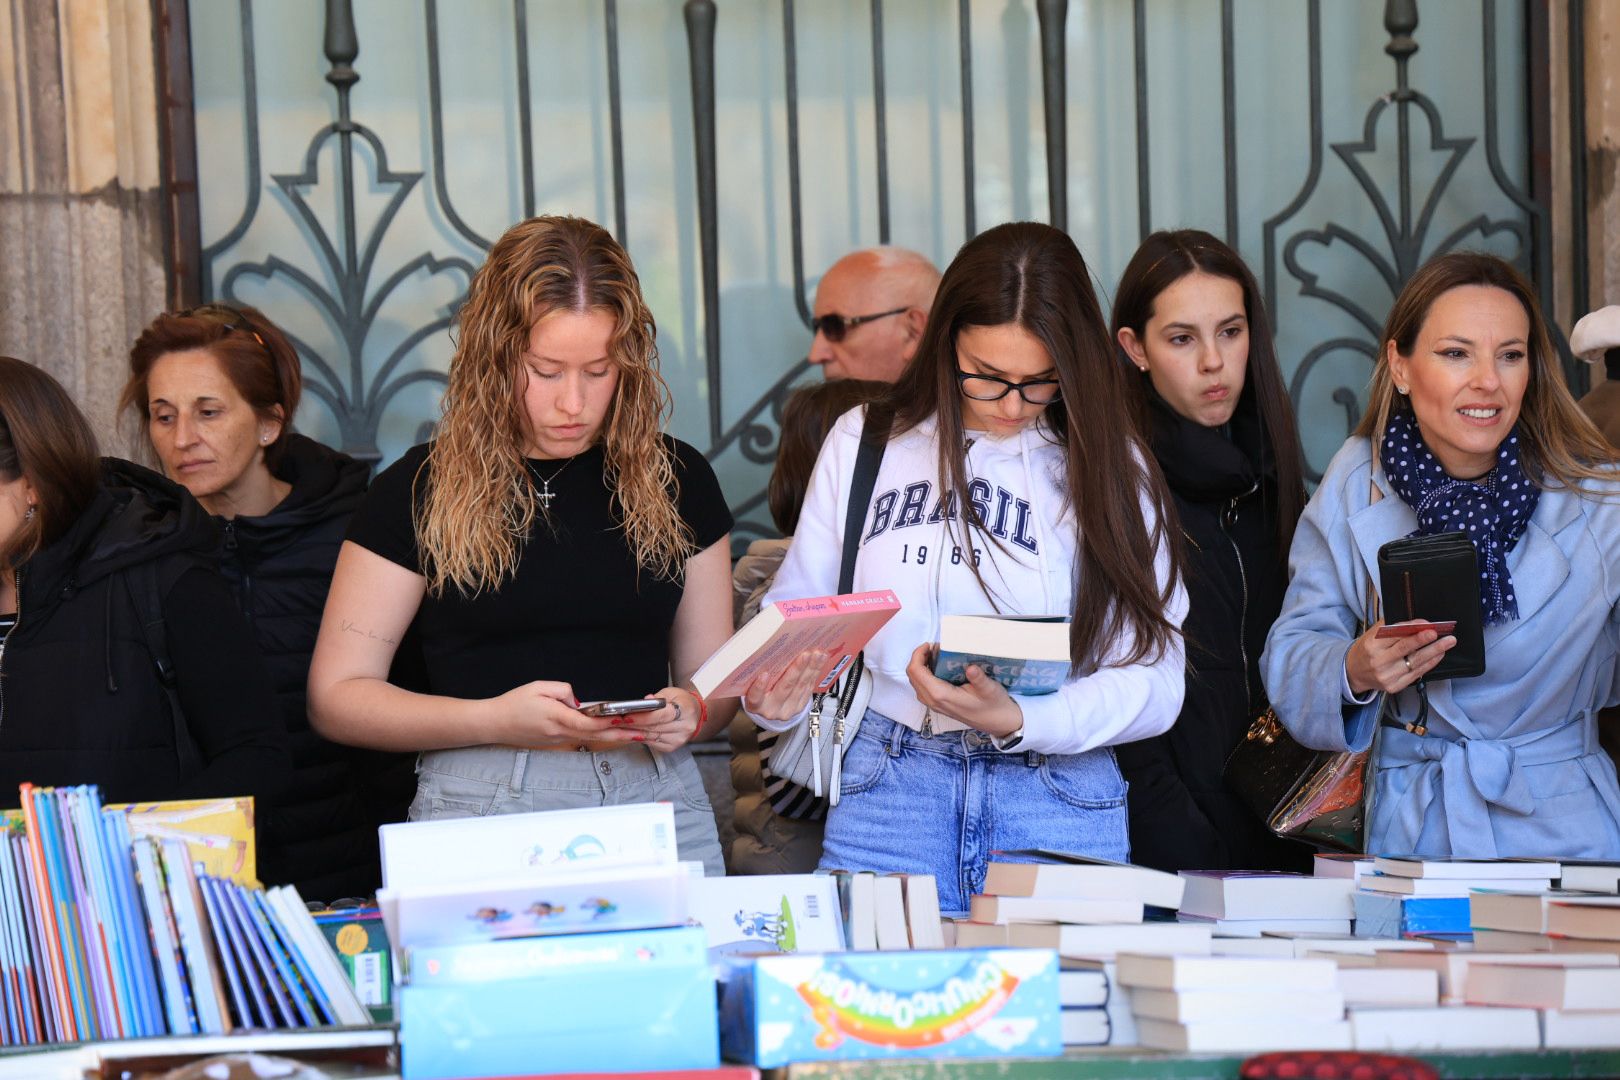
[(1493, 511)]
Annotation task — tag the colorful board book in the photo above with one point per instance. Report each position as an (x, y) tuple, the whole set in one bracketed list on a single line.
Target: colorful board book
[(839, 626)]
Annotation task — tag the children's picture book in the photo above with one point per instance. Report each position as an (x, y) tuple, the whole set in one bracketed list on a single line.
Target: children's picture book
[(437, 853), (1028, 654), (767, 913), (218, 833), (840, 626)]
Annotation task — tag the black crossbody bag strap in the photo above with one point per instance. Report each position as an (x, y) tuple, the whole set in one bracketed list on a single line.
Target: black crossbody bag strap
[(874, 439)]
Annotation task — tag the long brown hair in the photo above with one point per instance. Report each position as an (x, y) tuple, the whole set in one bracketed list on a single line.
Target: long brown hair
[(1166, 257), (251, 350), (480, 503), (44, 437), (1031, 275), (1561, 444), (808, 415)]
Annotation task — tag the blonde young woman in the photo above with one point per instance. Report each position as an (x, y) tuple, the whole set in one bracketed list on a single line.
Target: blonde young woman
[(1469, 428), (552, 547)]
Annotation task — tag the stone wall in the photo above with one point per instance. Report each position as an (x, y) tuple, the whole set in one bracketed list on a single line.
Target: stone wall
[(1603, 150), (81, 220)]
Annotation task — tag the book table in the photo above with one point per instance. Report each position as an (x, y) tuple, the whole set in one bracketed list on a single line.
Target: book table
[(1103, 1063)]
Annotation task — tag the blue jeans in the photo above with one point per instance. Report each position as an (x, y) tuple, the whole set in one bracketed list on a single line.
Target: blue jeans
[(942, 804)]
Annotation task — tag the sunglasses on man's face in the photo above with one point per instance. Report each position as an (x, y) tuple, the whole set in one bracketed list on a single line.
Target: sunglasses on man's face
[(834, 327)]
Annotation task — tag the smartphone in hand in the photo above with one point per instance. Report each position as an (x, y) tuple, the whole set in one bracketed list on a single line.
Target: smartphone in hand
[(1410, 629), (620, 708)]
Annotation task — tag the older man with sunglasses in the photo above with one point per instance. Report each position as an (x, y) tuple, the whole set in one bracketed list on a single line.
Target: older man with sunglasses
[(869, 315)]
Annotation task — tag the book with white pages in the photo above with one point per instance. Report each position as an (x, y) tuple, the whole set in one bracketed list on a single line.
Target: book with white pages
[(1105, 942), (1540, 987), (1431, 886), (1375, 987), (1262, 926), (1473, 869), (1523, 911), (1082, 989), (1229, 974), (1251, 1035), (1085, 1027), (1446, 1027), (922, 911), (1598, 877), (1587, 917), (1079, 876), (860, 914), (1308, 945), (837, 626), (1221, 894), (436, 853), (1452, 965), (1278, 948), (1338, 864), (889, 913), (1059, 909), (1575, 1030), (977, 935), (1197, 1006)]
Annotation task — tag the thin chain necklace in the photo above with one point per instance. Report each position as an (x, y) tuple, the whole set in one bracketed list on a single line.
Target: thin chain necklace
[(546, 494)]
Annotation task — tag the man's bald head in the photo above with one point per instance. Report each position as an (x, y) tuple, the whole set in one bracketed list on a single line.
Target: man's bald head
[(892, 282)]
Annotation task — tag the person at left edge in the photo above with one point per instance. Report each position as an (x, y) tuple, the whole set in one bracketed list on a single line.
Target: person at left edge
[(82, 700), (553, 547), (216, 389)]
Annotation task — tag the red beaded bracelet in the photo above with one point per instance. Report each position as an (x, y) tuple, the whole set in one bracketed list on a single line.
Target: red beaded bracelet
[(703, 708)]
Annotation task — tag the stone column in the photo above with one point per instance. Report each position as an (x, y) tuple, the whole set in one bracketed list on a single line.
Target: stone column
[(1603, 151), (81, 214)]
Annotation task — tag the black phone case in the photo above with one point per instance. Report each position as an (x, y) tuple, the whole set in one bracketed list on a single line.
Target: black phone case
[(1437, 578)]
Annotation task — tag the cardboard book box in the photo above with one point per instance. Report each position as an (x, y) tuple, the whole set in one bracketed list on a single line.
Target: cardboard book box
[(607, 1002), (955, 1003)]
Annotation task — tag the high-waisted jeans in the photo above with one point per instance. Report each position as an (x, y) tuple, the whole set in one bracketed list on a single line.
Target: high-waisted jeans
[(944, 804), (474, 781)]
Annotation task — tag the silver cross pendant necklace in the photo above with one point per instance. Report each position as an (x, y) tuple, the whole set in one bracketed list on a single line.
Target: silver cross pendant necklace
[(546, 494)]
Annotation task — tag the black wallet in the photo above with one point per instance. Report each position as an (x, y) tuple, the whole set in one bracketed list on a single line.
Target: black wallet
[(1436, 578)]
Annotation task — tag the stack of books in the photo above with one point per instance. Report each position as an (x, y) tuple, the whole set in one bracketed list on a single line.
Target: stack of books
[(1408, 895), (1576, 1005), (585, 910), (107, 937), (1506, 921), (1089, 911), (888, 912), (1248, 904), (1234, 1004)]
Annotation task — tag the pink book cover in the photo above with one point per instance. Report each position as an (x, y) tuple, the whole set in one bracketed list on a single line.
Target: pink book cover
[(840, 625)]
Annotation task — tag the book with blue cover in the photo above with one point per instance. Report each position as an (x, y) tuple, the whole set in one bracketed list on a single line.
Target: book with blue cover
[(1391, 915), (1028, 654)]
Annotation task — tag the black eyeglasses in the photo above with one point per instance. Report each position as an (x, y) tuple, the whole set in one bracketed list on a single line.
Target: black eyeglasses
[(990, 388), (226, 316), (836, 326)]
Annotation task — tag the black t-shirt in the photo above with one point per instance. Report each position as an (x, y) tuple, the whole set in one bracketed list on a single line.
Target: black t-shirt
[(578, 610)]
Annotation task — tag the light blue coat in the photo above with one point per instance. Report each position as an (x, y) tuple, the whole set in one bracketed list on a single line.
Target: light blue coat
[(1511, 763)]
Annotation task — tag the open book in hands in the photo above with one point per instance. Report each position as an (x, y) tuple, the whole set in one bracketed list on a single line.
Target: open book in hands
[(840, 626)]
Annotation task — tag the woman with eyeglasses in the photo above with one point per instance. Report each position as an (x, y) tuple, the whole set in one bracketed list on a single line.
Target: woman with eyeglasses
[(216, 389), (553, 546), (124, 661), (1012, 482), (1208, 391)]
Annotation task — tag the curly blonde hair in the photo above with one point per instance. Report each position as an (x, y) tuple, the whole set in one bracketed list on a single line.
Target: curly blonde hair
[(480, 503)]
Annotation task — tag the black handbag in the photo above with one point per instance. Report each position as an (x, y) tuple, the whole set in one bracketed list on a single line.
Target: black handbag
[(1436, 578)]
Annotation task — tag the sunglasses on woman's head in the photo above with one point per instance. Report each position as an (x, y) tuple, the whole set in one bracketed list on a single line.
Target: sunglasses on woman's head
[(834, 327), (226, 316)]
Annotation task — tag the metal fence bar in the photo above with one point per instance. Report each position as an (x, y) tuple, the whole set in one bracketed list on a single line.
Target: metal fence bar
[(880, 118), (441, 187), (1229, 121), (610, 15), (1053, 15), (250, 134), (1313, 175), (520, 31), (790, 67), (1144, 183), (964, 22), (700, 18)]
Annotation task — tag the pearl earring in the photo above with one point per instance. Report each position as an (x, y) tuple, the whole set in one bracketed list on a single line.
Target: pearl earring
[(1401, 390)]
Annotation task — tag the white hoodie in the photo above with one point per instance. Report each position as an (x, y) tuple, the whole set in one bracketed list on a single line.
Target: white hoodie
[(908, 545)]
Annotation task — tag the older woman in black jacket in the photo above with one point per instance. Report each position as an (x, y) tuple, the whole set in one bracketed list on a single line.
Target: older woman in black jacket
[(216, 388), (1188, 317), (124, 661)]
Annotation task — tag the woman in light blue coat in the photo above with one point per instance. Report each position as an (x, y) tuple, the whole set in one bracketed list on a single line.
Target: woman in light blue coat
[(1469, 426)]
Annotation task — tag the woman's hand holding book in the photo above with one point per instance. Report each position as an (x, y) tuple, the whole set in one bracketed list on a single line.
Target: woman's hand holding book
[(981, 703), (779, 698)]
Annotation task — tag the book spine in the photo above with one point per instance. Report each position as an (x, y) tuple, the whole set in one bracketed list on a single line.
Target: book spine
[(307, 978), (322, 960), (87, 920), (165, 939), (137, 942), (34, 934), (224, 948), (85, 805), (61, 1003), (253, 977), (193, 944), (12, 1031), (242, 898), (257, 911), (68, 936)]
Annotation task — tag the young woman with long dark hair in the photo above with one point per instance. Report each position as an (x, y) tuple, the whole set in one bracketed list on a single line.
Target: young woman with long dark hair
[(1207, 388), (1012, 482)]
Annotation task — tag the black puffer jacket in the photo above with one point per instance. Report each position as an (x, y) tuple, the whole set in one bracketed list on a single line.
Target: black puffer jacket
[(321, 835), (81, 701), (1183, 816)]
